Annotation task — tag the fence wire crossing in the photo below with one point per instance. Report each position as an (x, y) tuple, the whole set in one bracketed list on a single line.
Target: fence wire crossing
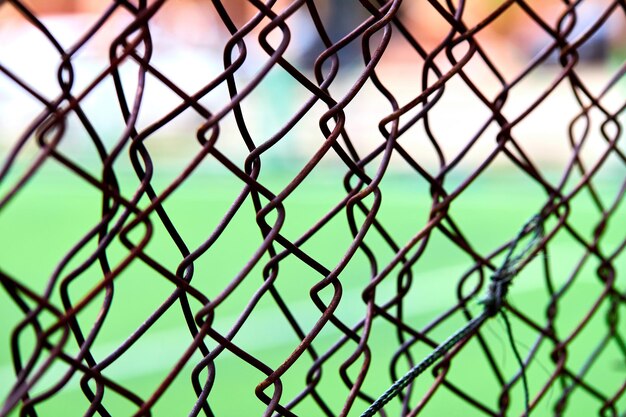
[(332, 363)]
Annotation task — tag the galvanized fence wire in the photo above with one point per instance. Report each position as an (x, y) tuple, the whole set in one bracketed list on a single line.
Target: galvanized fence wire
[(127, 218)]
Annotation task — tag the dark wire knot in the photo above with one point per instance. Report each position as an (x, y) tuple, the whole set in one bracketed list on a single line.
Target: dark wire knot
[(498, 288), (503, 276)]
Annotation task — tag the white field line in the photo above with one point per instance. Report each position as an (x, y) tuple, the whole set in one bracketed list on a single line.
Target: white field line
[(170, 344)]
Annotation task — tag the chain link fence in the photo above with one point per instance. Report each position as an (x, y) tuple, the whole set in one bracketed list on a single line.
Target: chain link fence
[(321, 298)]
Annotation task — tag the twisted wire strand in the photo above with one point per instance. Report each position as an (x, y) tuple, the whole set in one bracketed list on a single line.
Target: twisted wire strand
[(493, 303)]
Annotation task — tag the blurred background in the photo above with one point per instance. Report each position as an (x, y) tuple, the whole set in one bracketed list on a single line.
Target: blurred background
[(45, 219), (189, 41)]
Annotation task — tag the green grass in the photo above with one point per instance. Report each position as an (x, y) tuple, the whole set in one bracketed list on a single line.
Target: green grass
[(48, 217)]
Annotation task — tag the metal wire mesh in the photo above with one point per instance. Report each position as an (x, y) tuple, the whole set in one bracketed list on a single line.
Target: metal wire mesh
[(351, 344)]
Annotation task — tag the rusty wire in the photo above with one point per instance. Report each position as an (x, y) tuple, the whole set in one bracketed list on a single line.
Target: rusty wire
[(124, 214)]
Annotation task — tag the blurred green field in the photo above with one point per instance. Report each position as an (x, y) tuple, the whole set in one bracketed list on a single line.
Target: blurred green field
[(49, 216)]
